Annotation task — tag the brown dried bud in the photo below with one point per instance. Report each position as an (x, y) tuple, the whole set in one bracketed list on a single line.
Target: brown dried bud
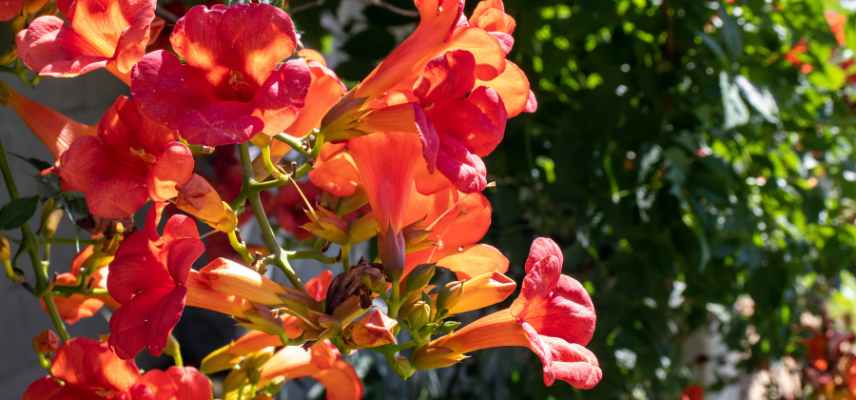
[(359, 281)]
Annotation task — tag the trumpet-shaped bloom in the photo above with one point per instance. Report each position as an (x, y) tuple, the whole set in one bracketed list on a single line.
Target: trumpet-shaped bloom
[(84, 368), (455, 221), (469, 121), (233, 85), (321, 362), (387, 169), (148, 278), (553, 316), (131, 160), (483, 291), (55, 130), (96, 34)]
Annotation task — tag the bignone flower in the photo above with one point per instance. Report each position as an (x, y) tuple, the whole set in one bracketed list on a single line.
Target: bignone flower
[(84, 368), (132, 159), (148, 278), (232, 85), (553, 316), (321, 362), (110, 34)]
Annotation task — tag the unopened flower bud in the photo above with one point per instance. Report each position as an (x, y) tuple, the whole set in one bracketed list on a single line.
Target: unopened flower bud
[(418, 315), (51, 217), (449, 295), (419, 277), (402, 366), (373, 329), (392, 254), (5, 249), (46, 342), (483, 291)]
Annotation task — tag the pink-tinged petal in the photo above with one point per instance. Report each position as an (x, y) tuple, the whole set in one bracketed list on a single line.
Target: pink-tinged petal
[(568, 362), (50, 49), (450, 76), (531, 103), (282, 96), (465, 169), (171, 94), (478, 122), (569, 314), (543, 267), (173, 168), (512, 85), (10, 9)]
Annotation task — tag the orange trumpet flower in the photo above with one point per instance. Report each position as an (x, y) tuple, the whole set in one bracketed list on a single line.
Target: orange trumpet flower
[(110, 34), (77, 306), (553, 316), (321, 362)]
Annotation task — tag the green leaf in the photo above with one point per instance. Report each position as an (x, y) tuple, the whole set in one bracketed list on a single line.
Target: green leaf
[(17, 212)]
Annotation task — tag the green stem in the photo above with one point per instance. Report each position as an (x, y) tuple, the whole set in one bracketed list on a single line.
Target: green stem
[(394, 302), (294, 142), (239, 247), (74, 241), (346, 257), (40, 268), (280, 257), (173, 349)]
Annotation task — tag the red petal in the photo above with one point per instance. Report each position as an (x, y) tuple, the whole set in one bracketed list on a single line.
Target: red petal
[(50, 49), (89, 363), (512, 85), (465, 169), (282, 96), (10, 9), (173, 168), (543, 267), (248, 38)]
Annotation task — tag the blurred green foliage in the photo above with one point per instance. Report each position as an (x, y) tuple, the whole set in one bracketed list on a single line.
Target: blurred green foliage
[(679, 159)]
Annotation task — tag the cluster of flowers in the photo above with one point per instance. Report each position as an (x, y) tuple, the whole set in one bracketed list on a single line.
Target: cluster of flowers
[(396, 161)]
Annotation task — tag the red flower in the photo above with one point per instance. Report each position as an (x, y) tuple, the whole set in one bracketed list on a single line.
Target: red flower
[(96, 34), (148, 279), (693, 392), (84, 368), (10, 9), (87, 369), (176, 383), (131, 160), (553, 316), (232, 86)]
